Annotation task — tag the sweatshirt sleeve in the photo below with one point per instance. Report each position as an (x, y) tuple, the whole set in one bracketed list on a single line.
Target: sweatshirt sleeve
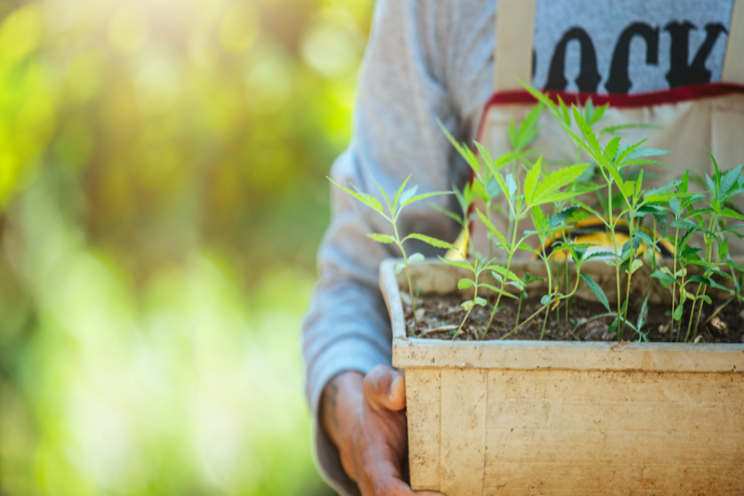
[(400, 98)]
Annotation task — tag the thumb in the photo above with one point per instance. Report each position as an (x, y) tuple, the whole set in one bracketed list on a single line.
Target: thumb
[(385, 387)]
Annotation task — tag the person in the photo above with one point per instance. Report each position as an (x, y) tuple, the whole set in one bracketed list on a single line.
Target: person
[(429, 62)]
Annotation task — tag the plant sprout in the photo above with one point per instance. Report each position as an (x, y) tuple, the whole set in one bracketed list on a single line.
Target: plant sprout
[(537, 190), (403, 197), (612, 159)]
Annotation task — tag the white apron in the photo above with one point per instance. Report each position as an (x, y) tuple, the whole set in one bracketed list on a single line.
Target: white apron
[(693, 119)]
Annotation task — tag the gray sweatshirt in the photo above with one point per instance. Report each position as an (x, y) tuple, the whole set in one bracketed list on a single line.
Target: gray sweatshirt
[(429, 60)]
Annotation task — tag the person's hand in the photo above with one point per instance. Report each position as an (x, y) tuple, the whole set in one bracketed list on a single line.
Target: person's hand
[(364, 417)]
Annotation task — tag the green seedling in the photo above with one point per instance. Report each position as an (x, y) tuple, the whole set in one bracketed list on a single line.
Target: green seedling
[(538, 189), (484, 185), (720, 189), (402, 198), (612, 159), (476, 268)]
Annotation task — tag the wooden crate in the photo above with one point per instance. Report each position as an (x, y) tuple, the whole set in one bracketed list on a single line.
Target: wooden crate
[(528, 417)]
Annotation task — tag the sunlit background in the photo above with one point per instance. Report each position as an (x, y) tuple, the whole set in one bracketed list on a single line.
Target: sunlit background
[(163, 192)]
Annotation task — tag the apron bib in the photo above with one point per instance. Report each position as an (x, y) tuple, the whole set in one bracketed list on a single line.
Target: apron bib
[(692, 120)]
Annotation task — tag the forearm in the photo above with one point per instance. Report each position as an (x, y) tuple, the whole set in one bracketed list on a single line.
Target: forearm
[(342, 398)]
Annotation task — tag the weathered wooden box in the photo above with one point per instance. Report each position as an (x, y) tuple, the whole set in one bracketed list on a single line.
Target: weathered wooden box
[(527, 417)]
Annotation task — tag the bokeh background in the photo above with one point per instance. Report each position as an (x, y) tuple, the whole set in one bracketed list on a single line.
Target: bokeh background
[(163, 193)]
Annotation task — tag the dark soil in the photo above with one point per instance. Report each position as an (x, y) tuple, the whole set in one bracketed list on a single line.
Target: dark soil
[(440, 315)]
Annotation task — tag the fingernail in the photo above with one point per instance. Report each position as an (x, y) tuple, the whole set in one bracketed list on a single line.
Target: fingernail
[(394, 385)]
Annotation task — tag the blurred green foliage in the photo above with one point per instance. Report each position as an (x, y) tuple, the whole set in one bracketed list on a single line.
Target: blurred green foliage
[(162, 182)]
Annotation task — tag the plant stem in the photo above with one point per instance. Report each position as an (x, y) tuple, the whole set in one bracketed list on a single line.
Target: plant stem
[(523, 323), (692, 312), (718, 310), (457, 333), (503, 281), (614, 246), (700, 312), (596, 317), (488, 216), (566, 285), (519, 308), (408, 273), (708, 258), (550, 292), (576, 287), (545, 321), (630, 272), (674, 274), (679, 325)]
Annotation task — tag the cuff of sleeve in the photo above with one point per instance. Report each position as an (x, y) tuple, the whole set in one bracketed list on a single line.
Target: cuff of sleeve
[(345, 355)]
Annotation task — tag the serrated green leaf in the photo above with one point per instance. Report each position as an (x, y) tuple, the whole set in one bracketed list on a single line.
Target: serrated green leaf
[(381, 238), (597, 290), (506, 273), (565, 114), (728, 181), (643, 313), (382, 192), (598, 114), (401, 188), (481, 301), (562, 216), (622, 127), (408, 194), (538, 218), (598, 254), (663, 277), (497, 290), (528, 248), (735, 265), (701, 279), (446, 212), (645, 238), (637, 264), (611, 149), (416, 257), (714, 284), (541, 97), (436, 243), (465, 283), (456, 263), (554, 181), (545, 300), (683, 224), (491, 227), (588, 133), (678, 312), (511, 184), (530, 182), (399, 268), (616, 177), (727, 212), (364, 198), (706, 299), (464, 151), (502, 183), (423, 196), (613, 326)]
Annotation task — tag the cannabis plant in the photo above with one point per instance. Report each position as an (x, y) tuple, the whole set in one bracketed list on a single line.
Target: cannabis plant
[(402, 198)]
